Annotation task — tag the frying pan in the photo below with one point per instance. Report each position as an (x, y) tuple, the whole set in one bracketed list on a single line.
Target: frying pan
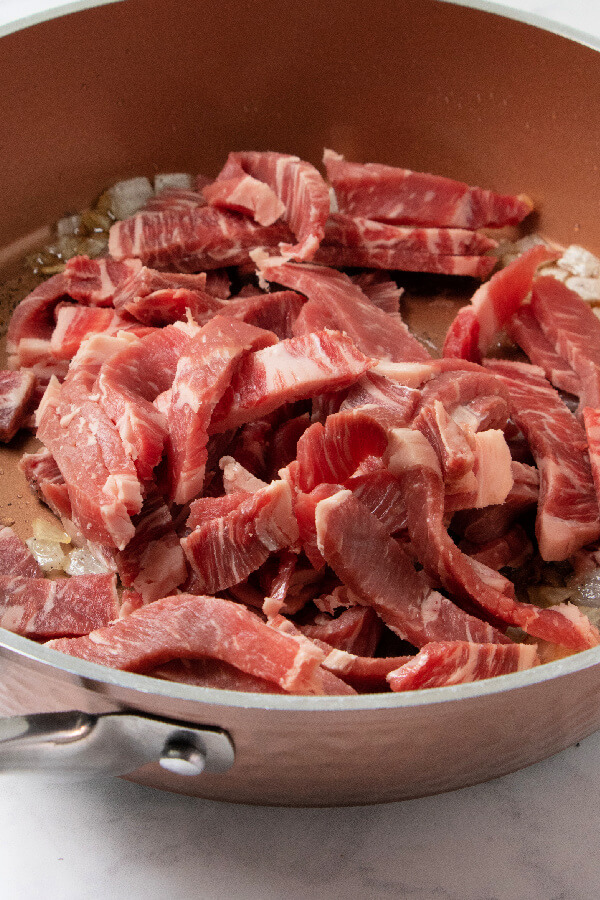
[(145, 86)]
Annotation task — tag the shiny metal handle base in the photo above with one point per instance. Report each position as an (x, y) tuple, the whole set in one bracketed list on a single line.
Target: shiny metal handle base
[(75, 745)]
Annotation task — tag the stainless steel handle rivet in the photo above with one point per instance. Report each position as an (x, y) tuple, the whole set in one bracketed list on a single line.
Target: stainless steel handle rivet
[(182, 757)]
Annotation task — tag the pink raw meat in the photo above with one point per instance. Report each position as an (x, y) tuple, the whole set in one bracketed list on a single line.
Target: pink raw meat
[(381, 290), (192, 240), (334, 301), (176, 198), (350, 538), (74, 323), (276, 312), (16, 394), (568, 515), (34, 315), (131, 380), (15, 557), (192, 627), (213, 673), (475, 328), (440, 664), (573, 329), (203, 373), (94, 282), (414, 462), (41, 607), (224, 551), (291, 370), (385, 192), (298, 185), (362, 242), (102, 482), (247, 195), (161, 298), (525, 330), (46, 481), (153, 563), (355, 630)]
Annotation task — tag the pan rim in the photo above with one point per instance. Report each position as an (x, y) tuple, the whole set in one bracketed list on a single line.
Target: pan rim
[(91, 674)]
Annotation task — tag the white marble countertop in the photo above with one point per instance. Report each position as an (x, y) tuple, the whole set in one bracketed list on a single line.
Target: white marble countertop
[(529, 836)]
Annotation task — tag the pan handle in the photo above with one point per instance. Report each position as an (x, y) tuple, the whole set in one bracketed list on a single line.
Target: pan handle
[(75, 745)]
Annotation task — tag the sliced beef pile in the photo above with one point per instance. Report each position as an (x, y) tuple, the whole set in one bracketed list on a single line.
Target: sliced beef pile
[(295, 496)]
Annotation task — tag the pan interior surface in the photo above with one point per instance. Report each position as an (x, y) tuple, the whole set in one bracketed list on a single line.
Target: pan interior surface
[(423, 84)]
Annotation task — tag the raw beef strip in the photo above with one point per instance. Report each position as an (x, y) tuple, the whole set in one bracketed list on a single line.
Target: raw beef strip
[(331, 453), (367, 674), (375, 389), (350, 539), (355, 630), (247, 195), (213, 673), (194, 627), (251, 447), (75, 323), (223, 552), (299, 186), (16, 393), (381, 290), (568, 515), (175, 198), (152, 563), (46, 481), (385, 192), (482, 525), (190, 241), (364, 243), (525, 330), (348, 257), (218, 283), (279, 583), (414, 462), (360, 233), (94, 282), (157, 298), (335, 302), (288, 371), (103, 486), (475, 328), (490, 480), (203, 373), (305, 505), (131, 380), (512, 549), (16, 557), (41, 607), (205, 509), (573, 329), (284, 442), (34, 315), (453, 449), (275, 312), (457, 662), (377, 489), (237, 478), (591, 422)]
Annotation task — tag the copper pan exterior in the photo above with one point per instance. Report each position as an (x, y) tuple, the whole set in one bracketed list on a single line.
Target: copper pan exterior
[(140, 87)]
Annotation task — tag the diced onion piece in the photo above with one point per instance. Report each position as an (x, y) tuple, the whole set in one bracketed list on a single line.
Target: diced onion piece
[(43, 530), (587, 288), (172, 180), (83, 562), (68, 225), (49, 554), (579, 261), (127, 197), (587, 591)]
